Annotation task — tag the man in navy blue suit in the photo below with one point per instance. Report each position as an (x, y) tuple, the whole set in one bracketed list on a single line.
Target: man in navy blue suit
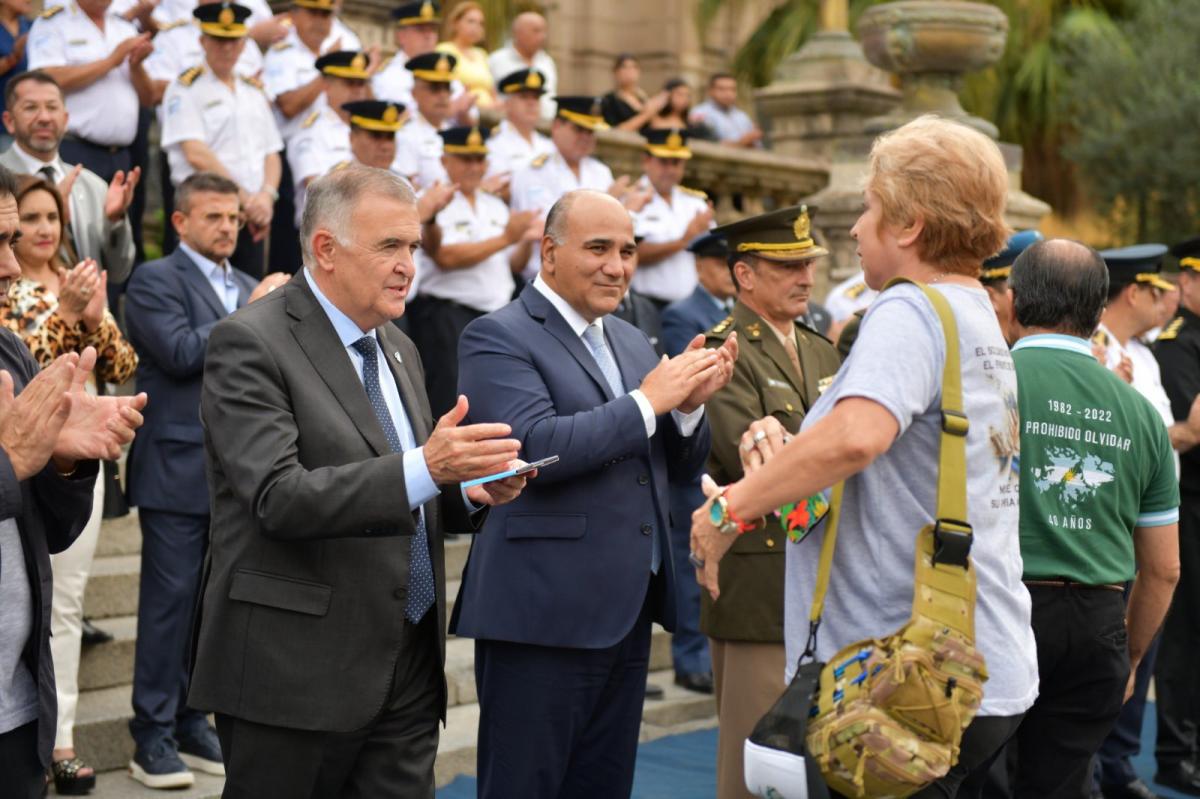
[(171, 306), (708, 304), (563, 584)]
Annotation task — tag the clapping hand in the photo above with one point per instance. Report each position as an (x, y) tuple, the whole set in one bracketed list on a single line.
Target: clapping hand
[(95, 427), (120, 193), (77, 290), (456, 454), (30, 422), (763, 440), (716, 379)]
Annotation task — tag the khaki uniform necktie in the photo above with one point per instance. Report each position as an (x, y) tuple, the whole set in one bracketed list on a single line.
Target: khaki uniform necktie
[(789, 344)]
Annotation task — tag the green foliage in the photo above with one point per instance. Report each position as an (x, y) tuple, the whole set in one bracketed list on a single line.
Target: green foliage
[(1133, 100)]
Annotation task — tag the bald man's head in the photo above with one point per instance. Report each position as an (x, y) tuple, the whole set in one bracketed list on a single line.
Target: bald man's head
[(588, 252), (1059, 285), (529, 33)]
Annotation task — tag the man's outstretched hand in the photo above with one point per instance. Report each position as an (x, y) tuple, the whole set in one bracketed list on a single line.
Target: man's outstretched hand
[(455, 454)]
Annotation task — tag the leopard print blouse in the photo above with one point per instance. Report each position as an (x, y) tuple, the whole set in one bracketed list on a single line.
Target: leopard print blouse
[(32, 313)]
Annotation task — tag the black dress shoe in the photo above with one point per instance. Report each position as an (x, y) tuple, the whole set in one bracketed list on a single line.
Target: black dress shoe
[(93, 635), (1132, 790), (653, 691), (699, 682), (1182, 777)]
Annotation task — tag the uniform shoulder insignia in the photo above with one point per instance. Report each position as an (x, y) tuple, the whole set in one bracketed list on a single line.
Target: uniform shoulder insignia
[(311, 119), (1171, 330), (51, 12), (540, 161), (1100, 337), (250, 80), (857, 289), (281, 46), (179, 23), (721, 329), (694, 192), (340, 165), (384, 63), (188, 76)]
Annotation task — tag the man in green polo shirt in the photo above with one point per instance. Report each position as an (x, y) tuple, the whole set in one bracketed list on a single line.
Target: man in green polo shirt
[(1098, 489)]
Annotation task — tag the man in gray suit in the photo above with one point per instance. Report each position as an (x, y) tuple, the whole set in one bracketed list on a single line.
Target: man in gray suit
[(36, 116), (321, 630)]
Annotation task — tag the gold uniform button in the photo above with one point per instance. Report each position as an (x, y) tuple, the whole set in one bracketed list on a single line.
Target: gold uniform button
[(770, 542), (789, 407)]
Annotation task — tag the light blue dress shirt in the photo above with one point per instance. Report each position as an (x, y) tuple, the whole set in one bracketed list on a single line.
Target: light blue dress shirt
[(219, 276), (418, 483)]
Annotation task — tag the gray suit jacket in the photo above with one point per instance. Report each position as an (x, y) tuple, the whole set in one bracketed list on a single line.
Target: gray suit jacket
[(306, 580), (110, 243)]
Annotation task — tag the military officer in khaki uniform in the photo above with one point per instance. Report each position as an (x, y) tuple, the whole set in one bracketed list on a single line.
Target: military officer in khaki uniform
[(780, 371)]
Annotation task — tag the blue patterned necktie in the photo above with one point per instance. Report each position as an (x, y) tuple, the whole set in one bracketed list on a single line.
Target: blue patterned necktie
[(420, 569), (594, 338)]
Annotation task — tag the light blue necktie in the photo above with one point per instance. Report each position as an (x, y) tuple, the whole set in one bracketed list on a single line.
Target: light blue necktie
[(420, 569), (594, 338)]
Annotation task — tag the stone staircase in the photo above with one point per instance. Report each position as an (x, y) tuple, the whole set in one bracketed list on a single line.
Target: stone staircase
[(106, 672)]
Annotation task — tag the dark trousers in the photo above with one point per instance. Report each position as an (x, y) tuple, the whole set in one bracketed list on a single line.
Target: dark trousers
[(1176, 687), (435, 326), (559, 722), (21, 774), (1083, 666), (983, 743), (689, 646), (1113, 761), (173, 547), (285, 239), (390, 757)]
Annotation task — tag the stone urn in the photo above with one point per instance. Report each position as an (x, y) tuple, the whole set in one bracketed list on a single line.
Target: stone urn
[(931, 45)]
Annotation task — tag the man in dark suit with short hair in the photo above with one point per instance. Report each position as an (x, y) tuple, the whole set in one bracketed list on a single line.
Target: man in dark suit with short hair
[(321, 634), (562, 587), (171, 307)]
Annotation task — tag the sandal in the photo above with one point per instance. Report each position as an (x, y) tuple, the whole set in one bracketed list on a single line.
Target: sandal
[(67, 779)]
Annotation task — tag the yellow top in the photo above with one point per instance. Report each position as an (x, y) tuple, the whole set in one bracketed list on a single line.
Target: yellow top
[(473, 72)]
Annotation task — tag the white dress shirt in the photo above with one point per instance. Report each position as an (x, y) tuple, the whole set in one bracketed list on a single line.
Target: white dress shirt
[(235, 122), (315, 149), (288, 65), (177, 48), (104, 112), (419, 152), (486, 286), (509, 151), (674, 277), (685, 422)]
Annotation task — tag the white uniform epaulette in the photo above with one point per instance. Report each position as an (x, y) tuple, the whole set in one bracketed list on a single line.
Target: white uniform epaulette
[(51, 11), (188, 76)]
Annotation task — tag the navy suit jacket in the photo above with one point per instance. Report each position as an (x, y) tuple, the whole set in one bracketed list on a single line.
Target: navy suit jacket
[(683, 320), (567, 563), (170, 309)]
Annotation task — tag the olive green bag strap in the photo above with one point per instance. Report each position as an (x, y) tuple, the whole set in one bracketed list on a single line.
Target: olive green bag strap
[(951, 532)]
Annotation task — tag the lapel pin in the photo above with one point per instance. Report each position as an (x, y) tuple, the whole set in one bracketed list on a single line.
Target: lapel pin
[(398, 358)]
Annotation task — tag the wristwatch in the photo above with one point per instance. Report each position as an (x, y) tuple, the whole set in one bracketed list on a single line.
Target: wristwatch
[(724, 519)]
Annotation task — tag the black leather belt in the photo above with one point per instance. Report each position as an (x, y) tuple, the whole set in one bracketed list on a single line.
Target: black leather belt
[(111, 149), (1062, 583)]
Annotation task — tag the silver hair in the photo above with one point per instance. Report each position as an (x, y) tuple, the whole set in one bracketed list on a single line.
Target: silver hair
[(332, 198)]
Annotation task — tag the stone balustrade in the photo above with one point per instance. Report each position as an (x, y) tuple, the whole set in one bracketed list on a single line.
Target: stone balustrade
[(740, 182)]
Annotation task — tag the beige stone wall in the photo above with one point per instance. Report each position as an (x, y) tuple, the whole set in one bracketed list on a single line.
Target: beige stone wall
[(586, 35)]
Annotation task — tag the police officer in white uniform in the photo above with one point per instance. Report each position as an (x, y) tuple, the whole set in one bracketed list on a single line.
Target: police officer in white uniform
[(416, 34), (177, 47), (219, 121), (465, 264), (98, 59), (571, 166), (289, 68), (669, 222), (515, 142), (418, 145), (324, 137)]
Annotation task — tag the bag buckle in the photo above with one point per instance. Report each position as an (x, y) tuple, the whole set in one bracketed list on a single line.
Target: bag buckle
[(952, 542), (955, 423)]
